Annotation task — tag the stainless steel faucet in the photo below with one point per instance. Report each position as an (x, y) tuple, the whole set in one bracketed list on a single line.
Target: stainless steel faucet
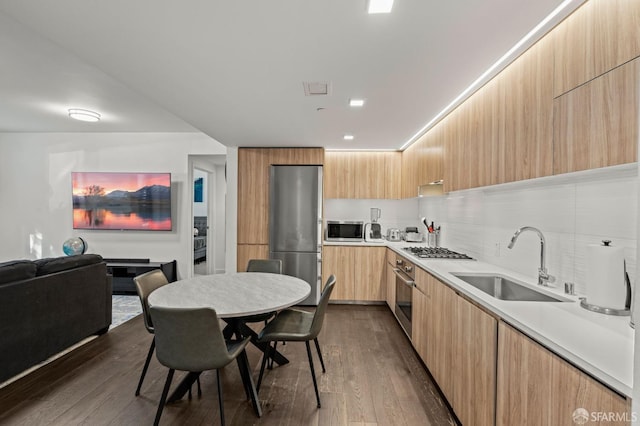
[(543, 276)]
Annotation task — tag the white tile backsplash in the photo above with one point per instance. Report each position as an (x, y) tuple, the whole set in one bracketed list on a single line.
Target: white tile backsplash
[(607, 209), (571, 215)]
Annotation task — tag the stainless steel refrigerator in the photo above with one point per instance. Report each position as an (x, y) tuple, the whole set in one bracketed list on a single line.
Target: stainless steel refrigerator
[(295, 224)]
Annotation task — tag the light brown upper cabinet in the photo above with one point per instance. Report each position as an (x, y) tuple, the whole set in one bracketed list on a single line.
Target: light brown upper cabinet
[(525, 116), (503, 132), (422, 162), (253, 193), (599, 36), (596, 125), (410, 167), (362, 174)]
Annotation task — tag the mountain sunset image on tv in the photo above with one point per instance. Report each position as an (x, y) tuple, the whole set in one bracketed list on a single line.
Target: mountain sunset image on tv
[(121, 201)]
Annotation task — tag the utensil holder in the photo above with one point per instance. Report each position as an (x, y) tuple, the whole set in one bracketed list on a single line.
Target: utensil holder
[(433, 239)]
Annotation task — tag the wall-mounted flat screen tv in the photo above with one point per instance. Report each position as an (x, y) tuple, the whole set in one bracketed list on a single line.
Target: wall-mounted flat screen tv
[(122, 201)]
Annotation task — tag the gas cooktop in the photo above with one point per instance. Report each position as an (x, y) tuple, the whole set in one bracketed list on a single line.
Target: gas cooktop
[(435, 253)]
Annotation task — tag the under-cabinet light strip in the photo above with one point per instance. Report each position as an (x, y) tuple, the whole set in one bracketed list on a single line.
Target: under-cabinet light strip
[(481, 80)]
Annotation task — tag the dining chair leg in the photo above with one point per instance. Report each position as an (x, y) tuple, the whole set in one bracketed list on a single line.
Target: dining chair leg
[(250, 385), (199, 388), (319, 354), (146, 365), (163, 398), (271, 358), (313, 372), (265, 357), (220, 399)]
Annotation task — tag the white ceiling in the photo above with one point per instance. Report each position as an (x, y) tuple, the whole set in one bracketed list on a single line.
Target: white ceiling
[(235, 69)]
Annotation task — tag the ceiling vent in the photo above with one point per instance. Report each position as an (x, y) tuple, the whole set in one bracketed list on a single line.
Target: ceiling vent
[(314, 88)]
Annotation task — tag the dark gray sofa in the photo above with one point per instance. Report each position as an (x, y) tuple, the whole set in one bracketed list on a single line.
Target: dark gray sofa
[(48, 305)]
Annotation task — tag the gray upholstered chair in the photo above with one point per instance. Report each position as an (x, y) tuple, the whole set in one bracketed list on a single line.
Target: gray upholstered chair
[(145, 284), (273, 266), (298, 326), (191, 340)]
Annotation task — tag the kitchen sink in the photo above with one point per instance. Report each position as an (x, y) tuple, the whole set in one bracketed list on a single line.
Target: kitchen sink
[(505, 288)]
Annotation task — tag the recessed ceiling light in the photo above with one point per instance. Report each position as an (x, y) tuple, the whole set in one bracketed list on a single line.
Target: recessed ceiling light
[(356, 102), (348, 137), (84, 115), (379, 6)]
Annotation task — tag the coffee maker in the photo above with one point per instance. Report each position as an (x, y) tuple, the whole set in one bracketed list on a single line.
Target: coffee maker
[(372, 230)]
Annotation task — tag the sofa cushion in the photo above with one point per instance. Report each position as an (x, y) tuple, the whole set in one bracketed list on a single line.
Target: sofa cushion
[(17, 270), (58, 264)]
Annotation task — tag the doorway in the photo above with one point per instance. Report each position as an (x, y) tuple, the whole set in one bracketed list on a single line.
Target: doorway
[(208, 213)]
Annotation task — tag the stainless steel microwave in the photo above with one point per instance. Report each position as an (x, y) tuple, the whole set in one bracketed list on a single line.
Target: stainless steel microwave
[(344, 231)]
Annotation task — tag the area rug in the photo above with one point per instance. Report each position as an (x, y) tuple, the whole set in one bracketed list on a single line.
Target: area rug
[(124, 308)]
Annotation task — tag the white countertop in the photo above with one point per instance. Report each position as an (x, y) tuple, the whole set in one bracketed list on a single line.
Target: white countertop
[(599, 344)]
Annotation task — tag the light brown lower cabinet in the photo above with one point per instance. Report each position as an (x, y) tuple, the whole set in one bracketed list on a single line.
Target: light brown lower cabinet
[(359, 272), (457, 342), (537, 387)]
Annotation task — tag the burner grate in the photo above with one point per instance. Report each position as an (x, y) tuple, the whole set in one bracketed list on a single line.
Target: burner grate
[(436, 253)]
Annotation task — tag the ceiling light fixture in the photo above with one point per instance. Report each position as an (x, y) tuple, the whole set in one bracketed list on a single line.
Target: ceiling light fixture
[(507, 57), (84, 115), (356, 102), (379, 6), (348, 137)]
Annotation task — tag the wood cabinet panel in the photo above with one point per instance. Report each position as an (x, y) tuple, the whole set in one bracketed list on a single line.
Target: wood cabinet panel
[(253, 186), (338, 260), (410, 167), (369, 277), (391, 279), (365, 175), (474, 364), (599, 36), (420, 305), (535, 386), (253, 199), (430, 156), (596, 125), (525, 116), (339, 169), (437, 332), (359, 272), (250, 251), (457, 342), (392, 175), (369, 175)]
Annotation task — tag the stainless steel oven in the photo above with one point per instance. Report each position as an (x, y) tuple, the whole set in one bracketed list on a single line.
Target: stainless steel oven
[(405, 272)]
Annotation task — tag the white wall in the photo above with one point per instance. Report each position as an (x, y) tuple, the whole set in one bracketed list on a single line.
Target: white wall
[(572, 211), (35, 188)]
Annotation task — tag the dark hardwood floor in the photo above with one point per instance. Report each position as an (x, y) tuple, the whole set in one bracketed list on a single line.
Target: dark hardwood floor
[(373, 378)]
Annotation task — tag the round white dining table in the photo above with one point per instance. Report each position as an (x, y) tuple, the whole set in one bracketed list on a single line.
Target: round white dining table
[(233, 295)]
